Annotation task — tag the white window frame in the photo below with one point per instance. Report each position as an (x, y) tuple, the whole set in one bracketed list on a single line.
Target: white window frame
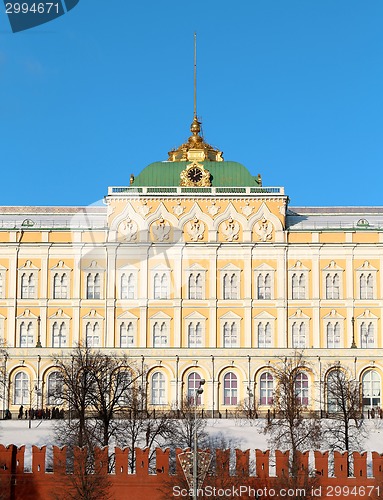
[(162, 272), (91, 319), (260, 273), (191, 322), (371, 388), (21, 388), (90, 273), (365, 271), (158, 388), (27, 317), (230, 319), (159, 318), (193, 272), (62, 328), (297, 319), (59, 270), (264, 318), (299, 270), (329, 273), (366, 319), (228, 273), (127, 318), (266, 385), (28, 271), (27, 333), (52, 397), (128, 271)]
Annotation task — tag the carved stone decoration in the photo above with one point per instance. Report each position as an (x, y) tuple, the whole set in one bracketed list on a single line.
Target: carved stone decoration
[(264, 229), (247, 210), (282, 209), (144, 209), (161, 230), (178, 209), (195, 229), (128, 229), (213, 209), (231, 230)]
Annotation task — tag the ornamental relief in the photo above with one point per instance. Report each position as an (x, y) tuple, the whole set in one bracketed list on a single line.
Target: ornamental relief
[(128, 230), (161, 230), (195, 229), (230, 230), (264, 229)]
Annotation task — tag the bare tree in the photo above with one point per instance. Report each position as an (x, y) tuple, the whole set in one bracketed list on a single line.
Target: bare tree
[(295, 428), (96, 388), (344, 430), (190, 422)]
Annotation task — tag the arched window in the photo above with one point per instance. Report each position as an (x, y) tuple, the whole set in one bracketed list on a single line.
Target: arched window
[(299, 335), (301, 387), (92, 335), (266, 389), (26, 334), (123, 385), (264, 286), (160, 334), (93, 286), (230, 334), (230, 286), (334, 383), (333, 335), (21, 389), (298, 286), (371, 389), (332, 286), (195, 334), (55, 388), (367, 336), (127, 286), (194, 380), (126, 334), (366, 286), (158, 389), (60, 286), (195, 283), (161, 286), (28, 286), (59, 334), (264, 334), (230, 389)]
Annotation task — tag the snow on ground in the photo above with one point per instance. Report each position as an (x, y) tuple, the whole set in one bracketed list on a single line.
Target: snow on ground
[(245, 434)]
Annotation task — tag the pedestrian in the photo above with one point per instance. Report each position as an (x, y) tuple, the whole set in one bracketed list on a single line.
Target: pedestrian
[(21, 412)]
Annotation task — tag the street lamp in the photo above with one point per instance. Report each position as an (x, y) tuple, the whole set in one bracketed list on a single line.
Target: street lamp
[(353, 345), (197, 392), (38, 332)]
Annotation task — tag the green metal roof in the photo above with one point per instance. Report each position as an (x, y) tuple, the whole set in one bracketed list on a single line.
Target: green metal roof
[(222, 173)]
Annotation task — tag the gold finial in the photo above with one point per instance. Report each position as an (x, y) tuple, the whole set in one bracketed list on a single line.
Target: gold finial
[(196, 148), (195, 76)]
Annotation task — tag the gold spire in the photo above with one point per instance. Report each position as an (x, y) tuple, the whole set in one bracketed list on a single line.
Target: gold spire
[(196, 148)]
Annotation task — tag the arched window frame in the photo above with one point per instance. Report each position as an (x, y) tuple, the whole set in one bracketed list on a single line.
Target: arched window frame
[(264, 276), (230, 389), (193, 383), (128, 283), (59, 334), (301, 388), (371, 389), (266, 389), (21, 392), (55, 388), (158, 389)]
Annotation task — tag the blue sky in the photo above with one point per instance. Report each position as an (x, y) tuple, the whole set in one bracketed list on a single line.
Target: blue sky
[(292, 89)]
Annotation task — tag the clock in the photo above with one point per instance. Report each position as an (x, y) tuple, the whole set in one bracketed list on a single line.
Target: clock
[(195, 175)]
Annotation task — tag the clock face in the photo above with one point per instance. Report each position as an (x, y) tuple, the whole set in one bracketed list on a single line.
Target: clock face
[(195, 174)]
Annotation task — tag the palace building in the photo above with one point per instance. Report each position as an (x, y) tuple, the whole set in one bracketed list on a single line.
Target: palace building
[(196, 271)]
